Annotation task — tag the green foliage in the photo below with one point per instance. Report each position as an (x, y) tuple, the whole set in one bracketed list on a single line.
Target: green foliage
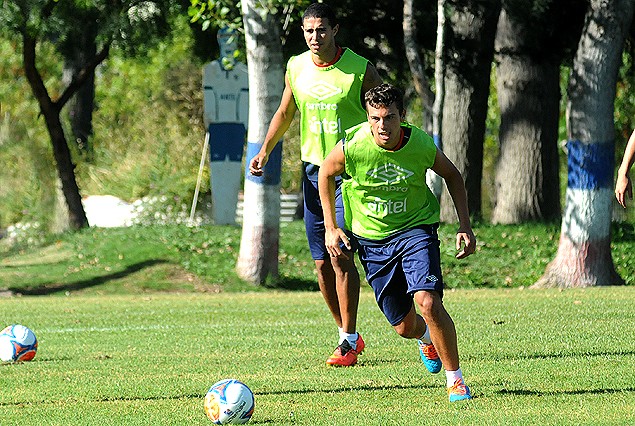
[(148, 129), (27, 192), (150, 359), (148, 125)]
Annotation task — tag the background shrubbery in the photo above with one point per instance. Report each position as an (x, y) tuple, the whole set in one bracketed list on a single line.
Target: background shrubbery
[(149, 133)]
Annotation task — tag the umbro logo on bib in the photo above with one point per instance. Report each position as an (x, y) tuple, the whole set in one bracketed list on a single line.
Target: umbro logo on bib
[(390, 173), (322, 90)]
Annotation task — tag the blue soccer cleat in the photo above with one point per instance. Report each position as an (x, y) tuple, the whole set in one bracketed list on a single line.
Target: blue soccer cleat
[(429, 357)]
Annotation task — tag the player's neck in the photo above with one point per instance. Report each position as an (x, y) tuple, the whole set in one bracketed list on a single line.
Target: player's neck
[(399, 143), (329, 58)]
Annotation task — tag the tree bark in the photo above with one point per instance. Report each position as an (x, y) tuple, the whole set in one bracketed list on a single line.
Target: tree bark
[(259, 244), (528, 89), (584, 252), (415, 64), (469, 53), (81, 106)]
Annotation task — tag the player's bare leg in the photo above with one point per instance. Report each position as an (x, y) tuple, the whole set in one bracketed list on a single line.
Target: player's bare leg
[(443, 336), (339, 283), (413, 326), (442, 331), (347, 286), (326, 282)]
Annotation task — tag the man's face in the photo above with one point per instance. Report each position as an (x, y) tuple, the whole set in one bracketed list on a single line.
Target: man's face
[(318, 34), (385, 123)]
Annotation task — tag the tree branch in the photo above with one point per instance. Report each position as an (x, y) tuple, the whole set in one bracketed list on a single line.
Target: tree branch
[(32, 73), (82, 75)]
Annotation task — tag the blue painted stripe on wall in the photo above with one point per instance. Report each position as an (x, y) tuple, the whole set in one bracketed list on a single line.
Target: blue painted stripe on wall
[(590, 165), (273, 168)]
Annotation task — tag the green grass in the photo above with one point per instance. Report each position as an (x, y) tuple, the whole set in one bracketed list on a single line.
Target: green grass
[(183, 259), (531, 357), (136, 324)]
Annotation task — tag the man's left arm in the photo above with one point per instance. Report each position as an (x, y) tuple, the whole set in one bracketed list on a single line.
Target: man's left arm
[(465, 239)]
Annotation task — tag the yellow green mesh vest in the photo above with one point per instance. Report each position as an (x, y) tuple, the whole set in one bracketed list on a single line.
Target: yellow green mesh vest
[(385, 191), (329, 101)]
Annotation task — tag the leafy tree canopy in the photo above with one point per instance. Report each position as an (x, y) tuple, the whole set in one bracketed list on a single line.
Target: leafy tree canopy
[(130, 25)]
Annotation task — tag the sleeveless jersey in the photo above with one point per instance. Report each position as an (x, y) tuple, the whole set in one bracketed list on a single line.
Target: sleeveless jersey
[(329, 101), (385, 191)]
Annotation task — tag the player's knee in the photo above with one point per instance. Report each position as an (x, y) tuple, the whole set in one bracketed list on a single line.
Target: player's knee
[(344, 266), (324, 270), (429, 304)]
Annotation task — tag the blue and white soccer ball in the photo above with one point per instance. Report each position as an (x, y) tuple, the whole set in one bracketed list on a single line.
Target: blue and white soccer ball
[(229, 402), (17, 343)]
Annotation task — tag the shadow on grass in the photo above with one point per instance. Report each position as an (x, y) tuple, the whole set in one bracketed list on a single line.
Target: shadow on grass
[(50, 288), (293, 284), (347, 389), (534, 392)]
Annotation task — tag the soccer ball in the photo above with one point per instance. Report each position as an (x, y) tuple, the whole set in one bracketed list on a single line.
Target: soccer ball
[(229, 402), (17, 343)]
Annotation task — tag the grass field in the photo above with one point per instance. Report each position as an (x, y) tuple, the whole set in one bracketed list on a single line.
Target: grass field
[(531, 357), (136, 324)]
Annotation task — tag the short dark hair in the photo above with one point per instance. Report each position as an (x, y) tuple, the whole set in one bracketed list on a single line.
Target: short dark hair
[(384, 95), (322, 11)]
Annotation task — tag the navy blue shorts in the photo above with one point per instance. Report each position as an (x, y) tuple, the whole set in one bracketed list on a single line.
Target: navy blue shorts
[(399, 266), (313, 215)]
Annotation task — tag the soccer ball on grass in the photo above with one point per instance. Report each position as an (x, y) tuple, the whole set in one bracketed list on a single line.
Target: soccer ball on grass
[(17, 343), (229, 402)]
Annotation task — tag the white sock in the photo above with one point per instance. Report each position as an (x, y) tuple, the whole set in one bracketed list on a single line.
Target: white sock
[(426, 336), (453, 376), (351, 337)]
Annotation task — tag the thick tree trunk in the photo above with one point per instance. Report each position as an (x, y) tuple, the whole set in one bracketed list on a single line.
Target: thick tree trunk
[(81, 105), (258, 255), (584, 253), (528, 89), (415, 64), (469, 54)]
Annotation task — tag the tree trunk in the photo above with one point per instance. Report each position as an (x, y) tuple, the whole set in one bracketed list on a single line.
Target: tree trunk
[(433, 180), (469, 54), (528, 89), (258, 255), (422, 88), (416, 65), (81, 106), (61, 152), (584, 252)]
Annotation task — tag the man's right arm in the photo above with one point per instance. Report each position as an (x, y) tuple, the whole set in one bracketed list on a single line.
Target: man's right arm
[(277, 127), (332, 166)]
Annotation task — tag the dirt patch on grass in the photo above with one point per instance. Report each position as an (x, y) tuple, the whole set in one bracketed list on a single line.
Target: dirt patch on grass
[(180, 275)]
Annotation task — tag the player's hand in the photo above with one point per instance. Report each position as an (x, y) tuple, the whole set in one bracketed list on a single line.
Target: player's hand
[(465, 243), (332, 239), (623, 190), (257, 164)]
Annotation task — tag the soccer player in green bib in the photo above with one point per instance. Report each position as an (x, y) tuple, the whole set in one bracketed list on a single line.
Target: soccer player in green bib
[(326, 84), (392, 217)]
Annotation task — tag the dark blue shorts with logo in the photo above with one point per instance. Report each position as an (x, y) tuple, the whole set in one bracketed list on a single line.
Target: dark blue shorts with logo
[(399, 266), (313, 215)]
